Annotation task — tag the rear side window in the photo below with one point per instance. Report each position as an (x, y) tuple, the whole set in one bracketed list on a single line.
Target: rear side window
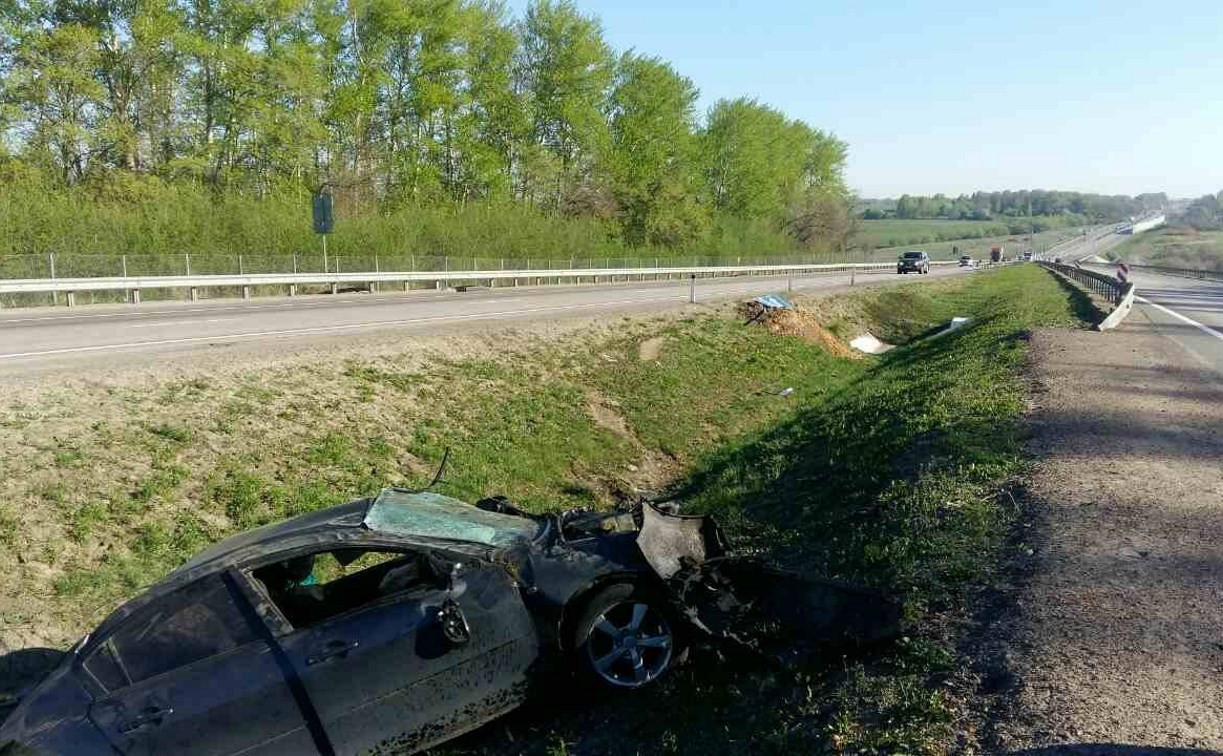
[(194, 623)]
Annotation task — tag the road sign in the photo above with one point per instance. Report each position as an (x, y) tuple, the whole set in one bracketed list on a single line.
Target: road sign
[(324, 220)]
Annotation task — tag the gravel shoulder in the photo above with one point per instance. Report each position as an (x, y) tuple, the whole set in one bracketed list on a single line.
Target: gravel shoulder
[(1117, 636)]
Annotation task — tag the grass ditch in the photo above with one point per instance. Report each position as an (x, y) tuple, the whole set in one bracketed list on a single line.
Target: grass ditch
[(884, 470)]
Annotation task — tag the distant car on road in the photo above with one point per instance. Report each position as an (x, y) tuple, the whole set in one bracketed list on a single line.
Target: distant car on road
[(1027, 256), (966, 261), (913, 262)]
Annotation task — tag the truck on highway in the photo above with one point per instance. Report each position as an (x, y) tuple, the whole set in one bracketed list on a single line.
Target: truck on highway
[(995, 254)]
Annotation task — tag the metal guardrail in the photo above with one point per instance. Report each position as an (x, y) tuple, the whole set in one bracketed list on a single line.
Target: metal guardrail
[(133, 285), (1204, 275), (1121, 295), (1106, 286)]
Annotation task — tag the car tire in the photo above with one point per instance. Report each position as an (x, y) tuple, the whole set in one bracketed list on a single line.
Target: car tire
[(625, 638)]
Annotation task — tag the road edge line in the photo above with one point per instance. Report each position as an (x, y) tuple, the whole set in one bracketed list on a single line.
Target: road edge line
[(1175, 314)]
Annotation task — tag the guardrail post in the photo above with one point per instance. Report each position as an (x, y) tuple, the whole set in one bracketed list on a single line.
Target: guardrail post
[(335, 288), (54, 295), (293, 290), (135, 296), (246, 292), (71, 298), (692, 289), (195, 294)]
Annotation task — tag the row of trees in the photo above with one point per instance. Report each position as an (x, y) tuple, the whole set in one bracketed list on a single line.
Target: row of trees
[(398, 102), (1016, 204), (1205, 213)]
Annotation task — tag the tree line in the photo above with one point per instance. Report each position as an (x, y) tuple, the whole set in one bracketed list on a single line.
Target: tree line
[(391, 104), (1204, 214), (1015, 204)]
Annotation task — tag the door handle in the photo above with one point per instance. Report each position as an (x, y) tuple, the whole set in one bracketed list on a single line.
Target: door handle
[(331, 650), (151, 715)]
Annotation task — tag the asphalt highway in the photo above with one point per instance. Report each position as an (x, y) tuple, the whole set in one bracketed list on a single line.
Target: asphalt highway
[(1186, 310), (34, 339)]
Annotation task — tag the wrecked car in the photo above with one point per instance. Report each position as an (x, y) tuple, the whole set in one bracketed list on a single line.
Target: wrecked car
[(393, 623)]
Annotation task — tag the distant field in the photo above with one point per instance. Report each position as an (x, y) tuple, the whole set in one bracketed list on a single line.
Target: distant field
[(899, 233), (948, 250), (1174, 247)]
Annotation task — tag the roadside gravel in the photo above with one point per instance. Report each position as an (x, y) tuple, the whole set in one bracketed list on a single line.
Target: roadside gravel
[(1117, 638)]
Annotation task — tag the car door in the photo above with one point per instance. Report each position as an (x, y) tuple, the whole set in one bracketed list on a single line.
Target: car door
[(192, 674), (385, 674)]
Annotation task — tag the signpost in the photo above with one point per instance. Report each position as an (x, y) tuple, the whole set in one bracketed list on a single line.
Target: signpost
[(324, 219)]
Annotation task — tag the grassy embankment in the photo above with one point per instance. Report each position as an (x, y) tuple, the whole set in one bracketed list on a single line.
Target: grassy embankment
[(884, 470), (1174, 248)]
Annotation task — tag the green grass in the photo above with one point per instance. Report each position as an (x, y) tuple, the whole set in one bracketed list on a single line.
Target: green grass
[(884, 470), (1174, 248)]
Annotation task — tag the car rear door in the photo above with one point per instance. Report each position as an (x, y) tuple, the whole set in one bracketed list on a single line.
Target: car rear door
[(386, 674), (193, 674)]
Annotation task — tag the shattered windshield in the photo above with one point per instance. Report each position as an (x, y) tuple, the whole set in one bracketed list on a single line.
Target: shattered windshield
[(431, 515)]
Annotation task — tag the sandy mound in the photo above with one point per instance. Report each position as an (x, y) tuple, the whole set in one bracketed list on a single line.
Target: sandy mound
[(650, 349), (797, 323)]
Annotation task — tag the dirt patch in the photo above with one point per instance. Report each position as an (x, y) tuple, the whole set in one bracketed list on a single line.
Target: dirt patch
[(606, 414), (650, 349), (653, 471), (799, 324), (1116, 638)]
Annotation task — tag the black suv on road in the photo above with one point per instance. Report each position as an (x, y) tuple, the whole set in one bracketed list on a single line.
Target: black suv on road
[(915, 262)]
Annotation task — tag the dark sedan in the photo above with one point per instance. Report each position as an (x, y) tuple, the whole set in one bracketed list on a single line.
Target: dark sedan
[(386, 624), (390, 624)]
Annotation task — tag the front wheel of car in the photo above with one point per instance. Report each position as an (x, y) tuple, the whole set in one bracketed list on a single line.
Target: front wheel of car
[(625, 638)]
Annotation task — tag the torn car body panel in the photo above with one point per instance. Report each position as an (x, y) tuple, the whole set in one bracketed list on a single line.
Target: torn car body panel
[(743, 599)]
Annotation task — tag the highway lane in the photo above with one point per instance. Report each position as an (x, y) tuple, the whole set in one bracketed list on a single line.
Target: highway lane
[(1187, 310), (32, 339)]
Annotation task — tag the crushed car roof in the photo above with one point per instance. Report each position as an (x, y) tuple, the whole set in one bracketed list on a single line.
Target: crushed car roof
[(424, 514)]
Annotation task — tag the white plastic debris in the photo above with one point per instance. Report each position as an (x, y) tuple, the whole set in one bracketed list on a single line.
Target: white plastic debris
[(869, 344), (785, 392)]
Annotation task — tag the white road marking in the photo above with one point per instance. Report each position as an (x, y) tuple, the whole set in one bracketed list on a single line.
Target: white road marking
[(1175, 314), (163, 324)]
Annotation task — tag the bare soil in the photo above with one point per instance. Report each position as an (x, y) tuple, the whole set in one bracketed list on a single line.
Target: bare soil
[(1117, 636)]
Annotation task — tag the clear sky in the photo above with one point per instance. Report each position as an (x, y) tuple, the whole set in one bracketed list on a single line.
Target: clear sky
[(1116, 97)]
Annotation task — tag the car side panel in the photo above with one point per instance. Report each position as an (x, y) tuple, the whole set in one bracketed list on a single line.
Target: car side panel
[(235, 703), (52, 719), (400, 686)]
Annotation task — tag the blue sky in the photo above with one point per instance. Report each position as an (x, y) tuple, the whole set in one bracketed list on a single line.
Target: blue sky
[(1115, 97)]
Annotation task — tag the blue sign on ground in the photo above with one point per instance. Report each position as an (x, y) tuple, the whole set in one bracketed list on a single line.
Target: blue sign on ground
[(774, 302)]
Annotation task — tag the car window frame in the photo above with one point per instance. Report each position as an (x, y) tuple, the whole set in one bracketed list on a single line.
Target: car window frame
[(275, 620), (101, 690)]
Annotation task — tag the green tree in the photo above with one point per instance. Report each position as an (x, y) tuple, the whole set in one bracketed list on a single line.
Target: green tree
[(566, 70), (653, 155)]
